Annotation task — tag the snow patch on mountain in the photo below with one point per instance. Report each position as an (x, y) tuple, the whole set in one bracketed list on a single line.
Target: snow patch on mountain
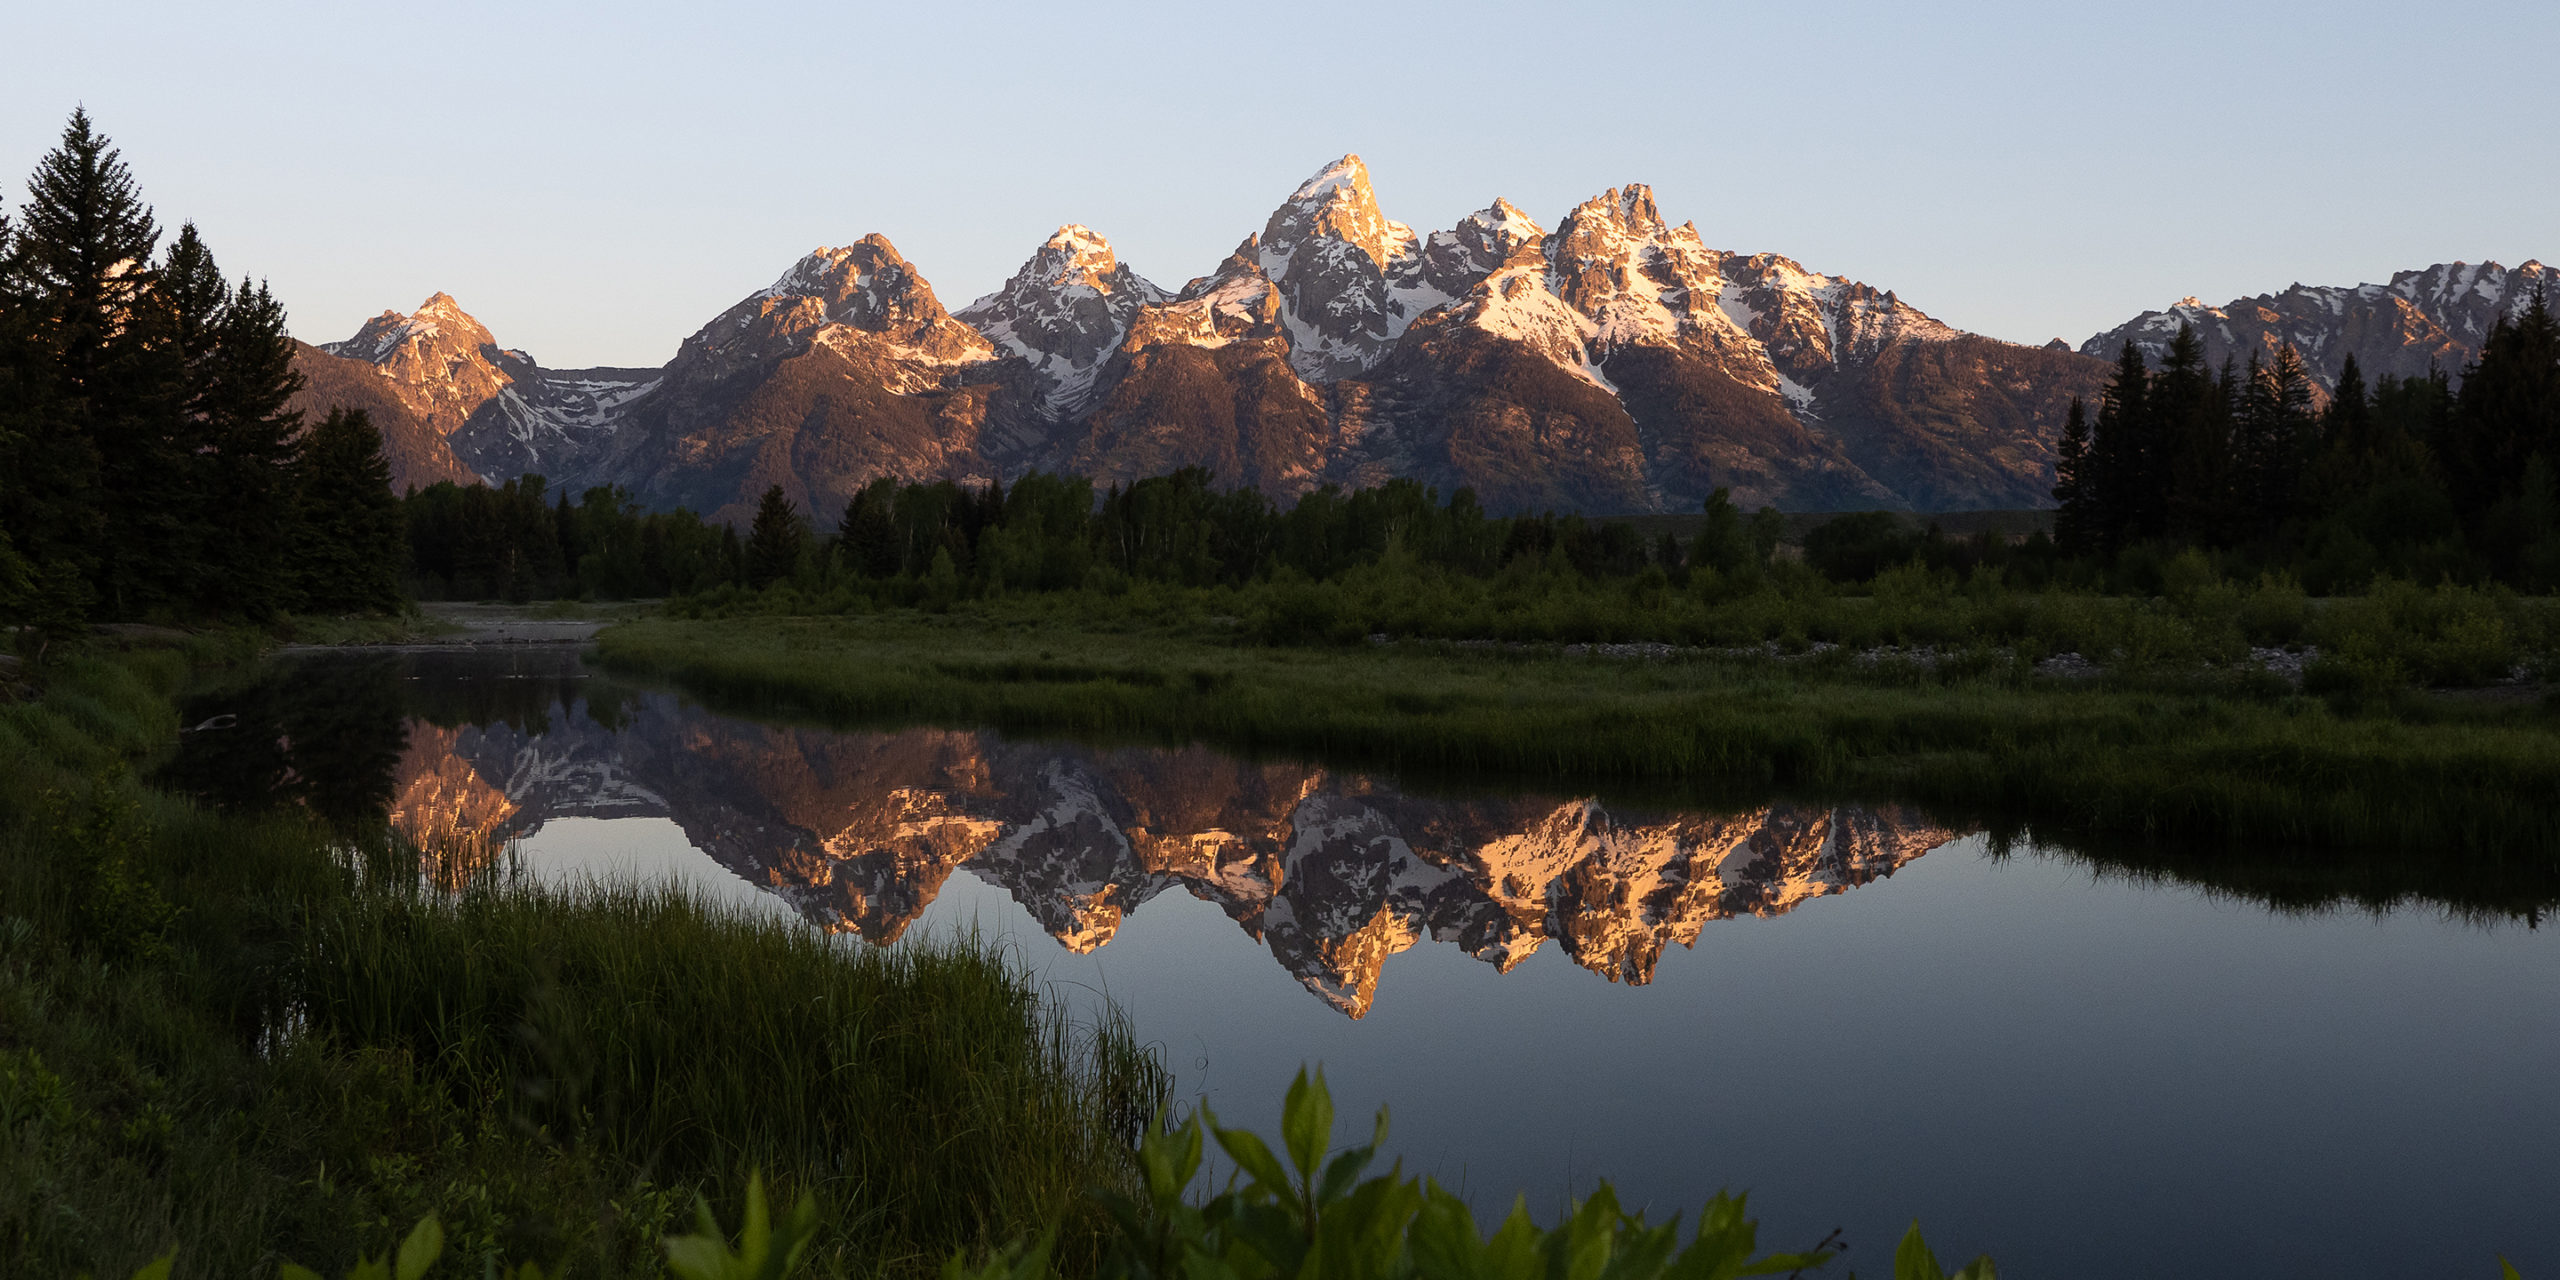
[(1064, 314), (2431, 318)]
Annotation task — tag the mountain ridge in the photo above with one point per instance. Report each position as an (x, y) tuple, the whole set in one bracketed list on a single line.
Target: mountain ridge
[(1616, 364)]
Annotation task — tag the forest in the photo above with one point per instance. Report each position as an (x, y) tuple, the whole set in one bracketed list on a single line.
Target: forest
[(153, 469)]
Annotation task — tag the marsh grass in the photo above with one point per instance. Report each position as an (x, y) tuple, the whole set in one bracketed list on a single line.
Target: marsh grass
[(926, 1095), (2213, 758), (309, 1049)]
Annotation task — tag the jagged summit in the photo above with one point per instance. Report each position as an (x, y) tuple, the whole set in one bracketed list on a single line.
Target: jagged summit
[(869, 287), (1607, 361), (1337, 205), (1064, 314), (2431, 318), (493, 408), (439, 322)]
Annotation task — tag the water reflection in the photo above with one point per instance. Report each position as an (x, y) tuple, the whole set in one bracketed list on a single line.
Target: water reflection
[(1332, 871), (2097, 1042)]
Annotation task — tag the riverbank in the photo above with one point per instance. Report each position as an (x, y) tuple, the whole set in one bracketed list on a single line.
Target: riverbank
[(253, 1036), (2211, 758)]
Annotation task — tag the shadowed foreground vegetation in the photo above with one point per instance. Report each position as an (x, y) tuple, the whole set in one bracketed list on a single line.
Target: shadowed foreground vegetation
[(256, 1037)]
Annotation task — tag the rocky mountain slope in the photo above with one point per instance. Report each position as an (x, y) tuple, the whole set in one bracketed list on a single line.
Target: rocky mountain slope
[(452, 404), (1331, 872), (1615, 364), (2434, 318)]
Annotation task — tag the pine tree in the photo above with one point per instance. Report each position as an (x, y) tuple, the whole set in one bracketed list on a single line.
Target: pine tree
[(867, 537), (2508, 410), (253, 438), (350, 545), (86, 249), (2074, 519), (2121, 455), (86, 260), (2188, 496), (2274, 441), (774, 541)]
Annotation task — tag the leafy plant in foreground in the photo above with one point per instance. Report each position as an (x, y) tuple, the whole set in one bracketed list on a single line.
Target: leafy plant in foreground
[(1317, 1216)]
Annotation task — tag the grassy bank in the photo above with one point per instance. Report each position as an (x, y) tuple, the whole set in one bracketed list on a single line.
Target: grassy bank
[(252, 1036), (2204, 756)]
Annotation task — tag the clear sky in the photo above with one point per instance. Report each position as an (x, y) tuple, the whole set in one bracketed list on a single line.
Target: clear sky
[(596, 181)]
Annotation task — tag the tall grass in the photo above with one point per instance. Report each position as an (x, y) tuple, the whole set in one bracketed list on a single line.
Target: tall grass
[(928, 1096), (2219, 759), (256, 1037)]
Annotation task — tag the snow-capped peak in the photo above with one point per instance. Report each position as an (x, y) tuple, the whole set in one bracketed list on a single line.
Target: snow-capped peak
[(2432, 318), (1350, 279), (1064, 313), (1347, 174), (1500, 228), (867, 286), (385, 337)]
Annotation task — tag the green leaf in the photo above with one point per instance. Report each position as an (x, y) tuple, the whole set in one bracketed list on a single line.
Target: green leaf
[(158, 1268), (1518, 1249), (1444, 1240), (420, 1251), (1912, 1259), (762, 1252), (2507, 1268), (1251, 1155), (1342, 1172), (1306, 1123), (1978, 1269), (1580, 1247)]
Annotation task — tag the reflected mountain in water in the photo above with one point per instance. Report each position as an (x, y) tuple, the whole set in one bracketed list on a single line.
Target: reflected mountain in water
[(1333, 871)]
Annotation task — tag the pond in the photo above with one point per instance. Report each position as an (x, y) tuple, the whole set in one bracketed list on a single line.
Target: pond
[(1860, 1014)]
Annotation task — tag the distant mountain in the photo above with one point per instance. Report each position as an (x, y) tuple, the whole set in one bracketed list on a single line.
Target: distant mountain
[(453, 405), (1613, 364), (2434, 318), (1332, 872), (419, 454)]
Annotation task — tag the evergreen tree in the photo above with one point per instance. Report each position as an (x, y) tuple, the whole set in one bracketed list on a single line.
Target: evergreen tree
[(85, 261), (2075, 521), (254, 439), (2274, 441), (2186, 494), (868, 535), (2122, 454), (2508, 410), (350, 541), (774, 541)]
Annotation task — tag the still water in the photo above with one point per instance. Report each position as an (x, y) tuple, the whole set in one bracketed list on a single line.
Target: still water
[(1861, 1015)]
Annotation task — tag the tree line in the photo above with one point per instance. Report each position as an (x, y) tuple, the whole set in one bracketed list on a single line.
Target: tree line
[(150, 467), (937, 541), (2406, 476)]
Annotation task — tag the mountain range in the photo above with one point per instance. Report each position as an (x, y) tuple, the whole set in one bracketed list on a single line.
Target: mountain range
[(1612, 365), (1333, 872)]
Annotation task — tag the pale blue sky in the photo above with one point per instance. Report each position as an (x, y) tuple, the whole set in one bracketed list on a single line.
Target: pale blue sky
[(596, 181)]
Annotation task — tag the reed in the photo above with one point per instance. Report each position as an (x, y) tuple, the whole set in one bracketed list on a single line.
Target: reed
[(927, 1096)]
